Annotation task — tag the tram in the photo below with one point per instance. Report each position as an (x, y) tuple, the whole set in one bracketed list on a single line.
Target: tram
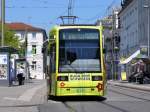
[(75, 61)]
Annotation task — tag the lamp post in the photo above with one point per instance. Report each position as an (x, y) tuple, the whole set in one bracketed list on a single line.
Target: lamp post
[(148, 38)]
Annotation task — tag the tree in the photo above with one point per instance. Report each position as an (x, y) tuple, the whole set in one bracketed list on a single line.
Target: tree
[(23, 48), (10, 39)]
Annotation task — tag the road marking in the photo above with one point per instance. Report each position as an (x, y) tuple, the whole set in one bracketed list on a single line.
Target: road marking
[(9, 98)]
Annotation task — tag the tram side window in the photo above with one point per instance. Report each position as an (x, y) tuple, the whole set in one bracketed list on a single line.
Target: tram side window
[(53, 59)]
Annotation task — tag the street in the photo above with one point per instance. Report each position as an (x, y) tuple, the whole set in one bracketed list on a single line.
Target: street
[(75, 47), (118, 99), (24, 98)]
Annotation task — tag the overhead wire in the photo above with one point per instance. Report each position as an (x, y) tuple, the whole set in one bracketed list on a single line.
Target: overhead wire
[(54, 5), (98, 15), (59, 5)]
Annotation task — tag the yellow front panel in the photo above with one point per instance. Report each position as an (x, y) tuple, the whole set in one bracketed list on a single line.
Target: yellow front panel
[(78, 85)]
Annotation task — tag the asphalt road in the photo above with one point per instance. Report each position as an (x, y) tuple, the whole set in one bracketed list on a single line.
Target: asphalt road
[(118, 99)]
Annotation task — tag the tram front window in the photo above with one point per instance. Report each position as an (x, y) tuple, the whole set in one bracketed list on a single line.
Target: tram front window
[(79, 51)]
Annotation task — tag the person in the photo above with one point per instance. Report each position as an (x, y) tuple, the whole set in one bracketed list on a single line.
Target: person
[(140, 70), (20, 75)]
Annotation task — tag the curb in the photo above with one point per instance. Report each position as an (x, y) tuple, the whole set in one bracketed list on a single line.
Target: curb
[(127, 85)]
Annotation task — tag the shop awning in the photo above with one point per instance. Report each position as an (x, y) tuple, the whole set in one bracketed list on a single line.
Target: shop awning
[(131, 57)]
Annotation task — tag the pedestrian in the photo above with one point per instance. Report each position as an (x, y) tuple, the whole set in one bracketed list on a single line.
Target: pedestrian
[(20, 75)]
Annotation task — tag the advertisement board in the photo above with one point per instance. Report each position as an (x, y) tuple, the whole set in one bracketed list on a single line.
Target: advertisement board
[(3, 66)]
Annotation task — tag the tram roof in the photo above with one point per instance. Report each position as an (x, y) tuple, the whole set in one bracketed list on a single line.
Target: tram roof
[(63, 26), (78, 25)]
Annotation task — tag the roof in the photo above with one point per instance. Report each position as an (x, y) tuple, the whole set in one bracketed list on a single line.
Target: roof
[(22, 27)]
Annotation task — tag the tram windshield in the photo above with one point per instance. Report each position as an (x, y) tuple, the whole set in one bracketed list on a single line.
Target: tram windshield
[(79, 50)]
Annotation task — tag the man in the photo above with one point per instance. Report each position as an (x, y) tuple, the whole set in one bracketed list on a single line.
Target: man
[(20, 75)]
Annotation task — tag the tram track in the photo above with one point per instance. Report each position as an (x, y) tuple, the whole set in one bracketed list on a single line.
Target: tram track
[(129, 95), (131, 89), (72, 109)]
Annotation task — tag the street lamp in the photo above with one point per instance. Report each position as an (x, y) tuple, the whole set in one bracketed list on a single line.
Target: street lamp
[(147, 7)]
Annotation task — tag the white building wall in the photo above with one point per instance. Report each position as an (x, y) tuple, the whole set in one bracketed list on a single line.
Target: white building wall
[(38, 57)]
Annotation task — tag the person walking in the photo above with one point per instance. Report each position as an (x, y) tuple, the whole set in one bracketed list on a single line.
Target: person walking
[(20, 75)]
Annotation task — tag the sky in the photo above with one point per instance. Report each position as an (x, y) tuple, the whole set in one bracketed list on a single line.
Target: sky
[(45, 13)]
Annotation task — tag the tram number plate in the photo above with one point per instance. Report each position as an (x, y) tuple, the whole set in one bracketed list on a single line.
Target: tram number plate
[(80, 90)]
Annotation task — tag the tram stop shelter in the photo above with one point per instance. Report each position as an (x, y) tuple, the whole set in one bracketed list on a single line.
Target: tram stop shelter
[(22, 62), (6, 77)]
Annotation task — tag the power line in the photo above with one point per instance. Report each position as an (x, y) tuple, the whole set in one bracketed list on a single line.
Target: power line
[(46, 7), (53, 20), (97, 16), (42, 1), (33, 7)]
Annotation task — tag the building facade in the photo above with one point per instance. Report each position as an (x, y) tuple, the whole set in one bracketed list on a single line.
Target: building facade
[(129, 28), (110, 37), (134, 26), (34, 38)]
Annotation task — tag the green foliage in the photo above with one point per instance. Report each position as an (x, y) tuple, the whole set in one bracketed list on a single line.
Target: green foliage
[(13, 41), (23, 48), (52, 33), (10, 39)]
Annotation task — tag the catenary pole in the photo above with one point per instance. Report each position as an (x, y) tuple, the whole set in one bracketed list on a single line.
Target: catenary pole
[(2, 20)]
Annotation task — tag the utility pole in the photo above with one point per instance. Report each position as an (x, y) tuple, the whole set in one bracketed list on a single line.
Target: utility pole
[(115, 44), (3, 21)]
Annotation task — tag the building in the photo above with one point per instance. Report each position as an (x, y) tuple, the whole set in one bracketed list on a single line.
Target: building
[(34, 38), (110, 35), (129, 28), (134, 31)]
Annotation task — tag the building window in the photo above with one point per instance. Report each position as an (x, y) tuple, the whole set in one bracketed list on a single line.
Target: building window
[(33, 35), (22, 35), (33, 66), (33, 49)]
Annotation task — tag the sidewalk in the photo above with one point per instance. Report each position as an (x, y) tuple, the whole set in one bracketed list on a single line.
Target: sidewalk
[(143, 87), (24, 98)]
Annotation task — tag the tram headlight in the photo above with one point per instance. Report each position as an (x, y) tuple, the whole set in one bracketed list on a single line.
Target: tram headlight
[(97, 78), (62, 78)]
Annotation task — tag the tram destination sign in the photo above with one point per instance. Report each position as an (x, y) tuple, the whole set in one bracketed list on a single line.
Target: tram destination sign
[(80, 77)]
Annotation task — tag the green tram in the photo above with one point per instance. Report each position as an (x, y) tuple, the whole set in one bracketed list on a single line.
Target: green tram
[(75, 61)]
